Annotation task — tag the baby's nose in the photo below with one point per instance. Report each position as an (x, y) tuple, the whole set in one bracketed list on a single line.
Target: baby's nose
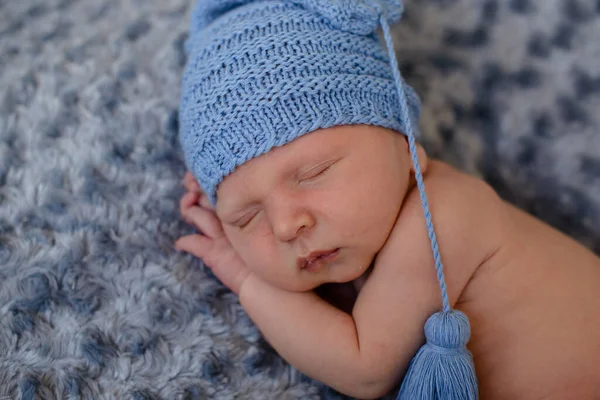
[(290, 221)]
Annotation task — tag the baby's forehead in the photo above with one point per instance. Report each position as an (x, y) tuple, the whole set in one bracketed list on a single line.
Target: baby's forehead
[(294, 157), (307, 149), (291, 158)]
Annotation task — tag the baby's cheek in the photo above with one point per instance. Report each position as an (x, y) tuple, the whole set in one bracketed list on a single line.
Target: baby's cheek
[(241, 244), (261, 253), (257, 254)]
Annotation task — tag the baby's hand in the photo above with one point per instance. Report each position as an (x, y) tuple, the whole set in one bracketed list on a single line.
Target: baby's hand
[(211, 244)]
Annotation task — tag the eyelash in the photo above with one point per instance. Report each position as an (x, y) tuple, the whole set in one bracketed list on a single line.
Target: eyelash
[(318, 174), (245, 220)]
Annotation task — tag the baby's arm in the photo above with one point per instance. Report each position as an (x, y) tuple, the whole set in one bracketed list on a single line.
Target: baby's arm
[(366, 354), (363, 355)]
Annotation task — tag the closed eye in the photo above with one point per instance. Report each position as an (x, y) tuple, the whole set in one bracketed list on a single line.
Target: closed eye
[(245, 220), (317, 172)]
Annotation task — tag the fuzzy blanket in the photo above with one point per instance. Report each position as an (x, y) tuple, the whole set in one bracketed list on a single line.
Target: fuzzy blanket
[(94, 301)]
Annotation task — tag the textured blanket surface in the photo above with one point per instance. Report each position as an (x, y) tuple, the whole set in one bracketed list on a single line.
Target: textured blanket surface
[(94, 301)]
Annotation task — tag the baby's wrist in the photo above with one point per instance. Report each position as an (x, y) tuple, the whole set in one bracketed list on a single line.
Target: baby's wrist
[(246, 282), (252, 285)]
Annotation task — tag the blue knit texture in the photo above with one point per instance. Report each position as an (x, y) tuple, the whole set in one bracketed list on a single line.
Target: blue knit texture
[(260, 74), (442, 368)]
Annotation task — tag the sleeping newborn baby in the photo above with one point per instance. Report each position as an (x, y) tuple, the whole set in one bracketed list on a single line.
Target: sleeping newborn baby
[(300, 137)]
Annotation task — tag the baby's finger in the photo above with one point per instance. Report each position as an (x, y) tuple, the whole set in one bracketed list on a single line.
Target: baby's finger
[(205, 202), (197, 245), (190, 183), (188, 200), (205, 220)]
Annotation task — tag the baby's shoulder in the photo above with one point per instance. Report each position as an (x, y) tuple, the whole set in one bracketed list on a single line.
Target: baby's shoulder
[(456, 199), (468, 216), (443, 181)]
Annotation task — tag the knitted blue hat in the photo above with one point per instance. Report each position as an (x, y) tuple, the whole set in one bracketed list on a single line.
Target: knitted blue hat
[(262, 73)]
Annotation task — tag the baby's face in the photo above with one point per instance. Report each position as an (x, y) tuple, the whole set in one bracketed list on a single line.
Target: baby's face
[(318, 209)]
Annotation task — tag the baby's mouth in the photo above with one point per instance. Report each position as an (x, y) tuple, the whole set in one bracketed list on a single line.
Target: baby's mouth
[(317, 259)]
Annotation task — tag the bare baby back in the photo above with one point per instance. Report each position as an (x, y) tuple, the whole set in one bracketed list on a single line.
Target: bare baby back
[(532, 293)]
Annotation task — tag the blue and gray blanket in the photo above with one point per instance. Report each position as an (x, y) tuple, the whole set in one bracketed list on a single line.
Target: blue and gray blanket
[(94, 301)]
